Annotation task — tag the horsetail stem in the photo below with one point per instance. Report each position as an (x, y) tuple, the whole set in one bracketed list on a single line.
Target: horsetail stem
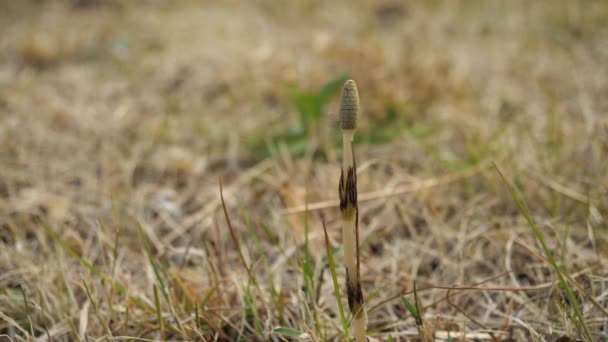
[(347, 189)]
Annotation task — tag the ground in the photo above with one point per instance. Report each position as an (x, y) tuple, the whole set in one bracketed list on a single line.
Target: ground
[(118, 119)]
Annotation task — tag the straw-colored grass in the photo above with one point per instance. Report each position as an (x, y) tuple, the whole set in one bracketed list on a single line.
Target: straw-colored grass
[(118, 118)]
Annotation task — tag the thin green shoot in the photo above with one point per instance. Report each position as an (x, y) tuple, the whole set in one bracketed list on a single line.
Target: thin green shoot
[(197, 318), (276, 297), (250, 311), (115, 253), (159, 315), (159, 279), (27, 311), (417, 305), (157, 274), (95, 307), (208, 296), (334, 277)]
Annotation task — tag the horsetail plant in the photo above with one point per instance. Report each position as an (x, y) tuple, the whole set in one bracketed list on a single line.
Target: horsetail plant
[(347, 189)]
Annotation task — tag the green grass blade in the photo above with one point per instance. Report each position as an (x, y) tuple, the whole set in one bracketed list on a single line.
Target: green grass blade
[(287, 332), (197, 319), (157, 274), (562, 281), (27, 310), (412, 309), (420, 322), (159, 279), (159, 315), (334, 277), (96, 308), (251, 310)]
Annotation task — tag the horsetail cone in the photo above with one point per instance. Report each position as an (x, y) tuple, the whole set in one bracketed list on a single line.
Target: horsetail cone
[(349, 109), (349, 106)]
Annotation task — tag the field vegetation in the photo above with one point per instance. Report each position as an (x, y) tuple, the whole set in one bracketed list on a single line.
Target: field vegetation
[(482, 169)]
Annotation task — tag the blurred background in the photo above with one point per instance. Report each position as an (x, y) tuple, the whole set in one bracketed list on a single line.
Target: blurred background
[(99, 97)]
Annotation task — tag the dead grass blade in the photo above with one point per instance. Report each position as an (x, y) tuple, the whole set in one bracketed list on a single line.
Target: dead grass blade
[(121, 290), (409, 188)]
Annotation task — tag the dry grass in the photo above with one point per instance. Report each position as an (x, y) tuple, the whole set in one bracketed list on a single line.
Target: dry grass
[(118, 118)]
